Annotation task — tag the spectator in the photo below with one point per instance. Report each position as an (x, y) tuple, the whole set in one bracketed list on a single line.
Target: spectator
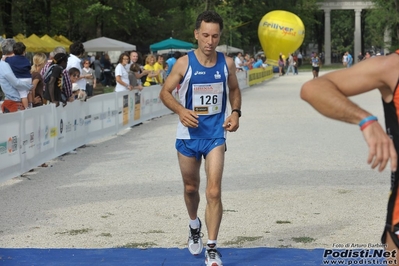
[(258, 63), (121, 75), (39, 60), (152, 77), (316, 63), (89, 77), (290, 64), (366, 55), (66, 82), (360, 56), (345, 59), (349, 59), (9, 84), (284, 62), (77, 51), (159, 66), (171, 61), (295, 64), (247, 61), (140, 75), (280, 65), (300, 58), (238, 60), (98, 69), (54, 91), (136, 83), (107, 71), (20, 65), (78, 93)]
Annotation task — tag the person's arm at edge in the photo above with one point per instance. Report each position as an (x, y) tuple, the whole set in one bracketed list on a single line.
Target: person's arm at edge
[(14, 81), (328, 95), (232, 121)]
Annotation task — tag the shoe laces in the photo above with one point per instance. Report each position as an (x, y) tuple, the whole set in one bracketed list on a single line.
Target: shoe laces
[(212, 253), (196, 234)]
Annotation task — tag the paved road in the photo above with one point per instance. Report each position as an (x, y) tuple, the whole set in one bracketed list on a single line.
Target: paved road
[(292, 179)]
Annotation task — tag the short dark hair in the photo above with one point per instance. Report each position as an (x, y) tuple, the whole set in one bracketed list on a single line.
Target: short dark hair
[(59, 58), (209, 16), (77, 48), (177, 55), (19, 48)]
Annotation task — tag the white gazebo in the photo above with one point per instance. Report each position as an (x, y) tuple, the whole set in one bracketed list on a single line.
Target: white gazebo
[(357, 6)]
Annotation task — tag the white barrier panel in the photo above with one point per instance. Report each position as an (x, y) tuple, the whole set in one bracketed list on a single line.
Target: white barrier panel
[(31, 137), (242, 79)]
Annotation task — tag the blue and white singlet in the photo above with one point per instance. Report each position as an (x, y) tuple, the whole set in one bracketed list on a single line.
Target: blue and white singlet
[(203, 90)]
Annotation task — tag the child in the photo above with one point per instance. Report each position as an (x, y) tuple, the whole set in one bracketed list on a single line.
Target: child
[(136, 83), (21, 67), (74, 75)]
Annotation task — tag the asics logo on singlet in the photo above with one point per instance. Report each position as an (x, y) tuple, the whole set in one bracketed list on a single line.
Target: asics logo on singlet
[(199, 73)]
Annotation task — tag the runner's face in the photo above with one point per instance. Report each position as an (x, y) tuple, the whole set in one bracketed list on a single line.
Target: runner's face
[(208, 37)]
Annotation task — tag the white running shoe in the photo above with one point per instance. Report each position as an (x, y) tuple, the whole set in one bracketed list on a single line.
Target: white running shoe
[(195, 244), (212, 256)]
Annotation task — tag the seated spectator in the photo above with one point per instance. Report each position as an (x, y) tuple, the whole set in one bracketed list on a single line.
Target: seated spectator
[(258, 63)]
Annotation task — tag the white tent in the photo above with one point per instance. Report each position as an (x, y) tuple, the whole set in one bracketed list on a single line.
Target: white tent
[(104, 44), (171, 51), (228, 49)]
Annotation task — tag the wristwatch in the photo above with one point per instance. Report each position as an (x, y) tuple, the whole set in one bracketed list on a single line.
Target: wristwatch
[(238, 112)]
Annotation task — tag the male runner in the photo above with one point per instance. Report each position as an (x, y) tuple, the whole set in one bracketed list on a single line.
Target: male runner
[(205, 76)]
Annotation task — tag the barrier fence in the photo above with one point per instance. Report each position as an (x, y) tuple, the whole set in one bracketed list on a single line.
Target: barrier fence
[(32, 137)]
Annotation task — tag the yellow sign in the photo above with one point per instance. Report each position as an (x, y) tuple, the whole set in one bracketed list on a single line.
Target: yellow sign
[(280, 31)]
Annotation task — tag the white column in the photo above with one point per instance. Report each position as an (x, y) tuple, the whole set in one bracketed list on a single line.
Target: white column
[(387, 40), (357, 34), (327, 36)]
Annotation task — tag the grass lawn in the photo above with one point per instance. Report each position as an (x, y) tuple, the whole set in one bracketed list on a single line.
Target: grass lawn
[(308, 67)]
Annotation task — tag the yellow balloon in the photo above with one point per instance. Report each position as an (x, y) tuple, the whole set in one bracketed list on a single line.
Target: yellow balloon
[(280, 31)]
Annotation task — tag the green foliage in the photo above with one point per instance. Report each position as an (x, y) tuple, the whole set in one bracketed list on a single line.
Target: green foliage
[(143, 22), (342, 28)]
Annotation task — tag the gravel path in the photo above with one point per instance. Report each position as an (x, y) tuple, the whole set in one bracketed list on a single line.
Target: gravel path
[(292, 179)]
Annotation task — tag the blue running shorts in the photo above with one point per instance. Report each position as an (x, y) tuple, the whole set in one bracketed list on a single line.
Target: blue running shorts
[(197, 147)]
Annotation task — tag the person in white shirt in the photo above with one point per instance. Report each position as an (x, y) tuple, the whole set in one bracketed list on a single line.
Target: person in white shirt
[(121, 75), (77, 50), (238, 60)]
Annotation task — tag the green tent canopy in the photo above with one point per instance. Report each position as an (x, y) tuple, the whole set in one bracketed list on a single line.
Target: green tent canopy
[(171, 44)]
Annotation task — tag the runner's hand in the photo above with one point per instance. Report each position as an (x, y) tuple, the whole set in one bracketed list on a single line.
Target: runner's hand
[(381, 148), (188, 118), (232, 122)]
